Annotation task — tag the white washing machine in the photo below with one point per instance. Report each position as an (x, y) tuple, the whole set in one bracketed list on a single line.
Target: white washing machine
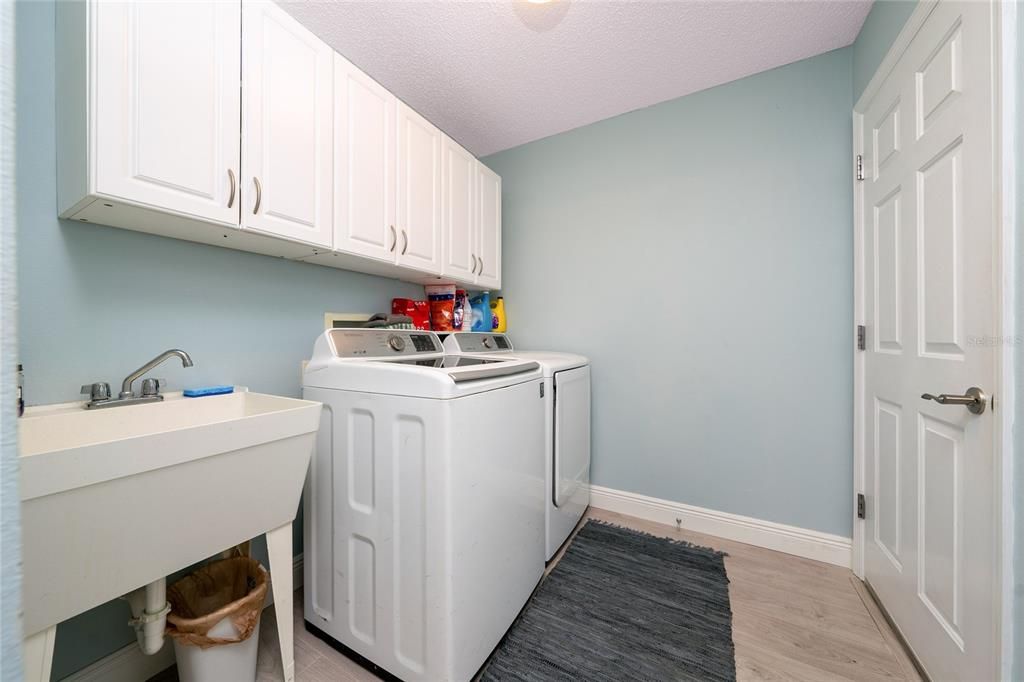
[(424, 505), (567, 427)]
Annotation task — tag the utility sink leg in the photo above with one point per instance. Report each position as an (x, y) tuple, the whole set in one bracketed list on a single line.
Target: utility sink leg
[(37, 655), (279, 549)]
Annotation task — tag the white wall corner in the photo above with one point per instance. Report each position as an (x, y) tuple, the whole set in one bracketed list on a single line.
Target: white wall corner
[(802, 542)]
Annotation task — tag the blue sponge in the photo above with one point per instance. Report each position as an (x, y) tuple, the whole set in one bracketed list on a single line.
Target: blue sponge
[(208, 390)]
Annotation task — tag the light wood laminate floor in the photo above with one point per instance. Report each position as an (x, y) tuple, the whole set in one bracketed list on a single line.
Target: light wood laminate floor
[(793, 619)]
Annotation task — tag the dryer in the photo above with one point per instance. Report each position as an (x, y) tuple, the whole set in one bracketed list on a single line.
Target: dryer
[(424, 506), (566, 424)]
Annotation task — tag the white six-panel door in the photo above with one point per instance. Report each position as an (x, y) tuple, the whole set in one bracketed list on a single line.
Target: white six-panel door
[(460, 218), (167, 105), (419, 192), (287, 127), (364, 164), (928, 230)]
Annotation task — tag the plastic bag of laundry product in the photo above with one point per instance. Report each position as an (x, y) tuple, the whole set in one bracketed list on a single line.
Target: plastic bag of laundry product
[(231, 588), (442, 306)]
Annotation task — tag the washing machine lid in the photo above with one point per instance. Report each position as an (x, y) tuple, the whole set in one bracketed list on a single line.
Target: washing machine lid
[(468, 368), (461, 343), (550, 361), (408, 363), (490, 344)]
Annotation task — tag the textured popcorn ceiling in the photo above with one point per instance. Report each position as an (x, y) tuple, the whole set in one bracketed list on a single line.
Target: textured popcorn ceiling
[(496, 74)]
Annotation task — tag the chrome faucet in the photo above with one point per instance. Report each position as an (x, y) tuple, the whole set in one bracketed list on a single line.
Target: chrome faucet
[(126, 385), (99, 392)]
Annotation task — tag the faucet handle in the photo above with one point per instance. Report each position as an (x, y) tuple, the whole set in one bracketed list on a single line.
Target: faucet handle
[(97, 391), (151, 387)]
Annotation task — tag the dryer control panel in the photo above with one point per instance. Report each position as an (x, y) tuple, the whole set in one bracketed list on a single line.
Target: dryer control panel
[(477, 342), (382, 343)]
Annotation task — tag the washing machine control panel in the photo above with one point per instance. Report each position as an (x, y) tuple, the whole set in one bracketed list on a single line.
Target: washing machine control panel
[(481, 342), (382, 343)]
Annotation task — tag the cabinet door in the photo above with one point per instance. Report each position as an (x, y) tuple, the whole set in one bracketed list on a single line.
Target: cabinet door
[(167, 105), (459, 219), (419, 192), (287, 76), (364, 164), (488, 185)]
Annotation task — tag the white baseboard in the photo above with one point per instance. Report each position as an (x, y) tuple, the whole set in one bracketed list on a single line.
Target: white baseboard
[(129, 664), (810, 544)]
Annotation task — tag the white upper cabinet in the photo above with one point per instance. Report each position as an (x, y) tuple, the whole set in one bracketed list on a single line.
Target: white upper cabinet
[(471, 251), (287, 127), (488, 188), (459, 207), (166, 105), (364, 164), (227, 122), (419, 192)]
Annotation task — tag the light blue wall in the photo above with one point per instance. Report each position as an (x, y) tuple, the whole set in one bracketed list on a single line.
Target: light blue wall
[(883, 24), (700, 252), (96, 302)]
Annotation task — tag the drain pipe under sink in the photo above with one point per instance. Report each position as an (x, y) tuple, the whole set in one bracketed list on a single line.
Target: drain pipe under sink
[(149, 615)]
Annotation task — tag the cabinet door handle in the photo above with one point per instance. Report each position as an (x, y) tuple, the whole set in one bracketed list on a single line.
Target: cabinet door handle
[(405, 242), (473, 269), (394, 238), (231, 177), (259, 195), (481, 266)]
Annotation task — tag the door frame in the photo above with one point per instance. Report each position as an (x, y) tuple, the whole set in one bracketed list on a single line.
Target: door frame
[(1004, 278)]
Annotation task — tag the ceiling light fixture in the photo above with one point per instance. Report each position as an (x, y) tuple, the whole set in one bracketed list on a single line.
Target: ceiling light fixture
[(546, 14)]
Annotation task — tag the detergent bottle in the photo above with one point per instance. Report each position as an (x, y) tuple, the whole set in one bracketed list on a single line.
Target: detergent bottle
[(500, 323), (480, 313)]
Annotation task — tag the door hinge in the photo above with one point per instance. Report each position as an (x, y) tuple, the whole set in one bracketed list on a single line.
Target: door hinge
[(862, 337), (860, 167), (861, 506)]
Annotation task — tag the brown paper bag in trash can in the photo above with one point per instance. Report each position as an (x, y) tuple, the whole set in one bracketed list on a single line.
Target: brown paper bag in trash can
[(231, 588)]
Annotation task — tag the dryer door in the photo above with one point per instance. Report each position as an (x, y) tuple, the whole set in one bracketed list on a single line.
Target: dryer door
[(572, 434)]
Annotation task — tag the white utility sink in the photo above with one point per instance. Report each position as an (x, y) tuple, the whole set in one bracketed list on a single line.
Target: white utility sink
[(114, 499)]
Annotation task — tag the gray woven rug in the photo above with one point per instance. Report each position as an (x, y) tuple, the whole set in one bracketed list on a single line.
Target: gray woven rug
[(623, 605)]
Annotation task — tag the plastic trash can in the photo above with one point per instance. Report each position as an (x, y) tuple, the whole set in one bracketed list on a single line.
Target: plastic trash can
[(215, 620)]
